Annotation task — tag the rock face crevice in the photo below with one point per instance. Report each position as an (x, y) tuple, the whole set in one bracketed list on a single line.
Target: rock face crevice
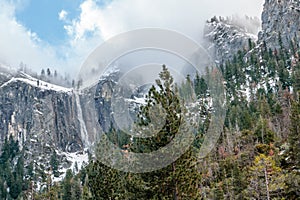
[(47, 118), (29, 112), (44, 119), (65, 119), (279, 25), (280, 19), (226, 36)]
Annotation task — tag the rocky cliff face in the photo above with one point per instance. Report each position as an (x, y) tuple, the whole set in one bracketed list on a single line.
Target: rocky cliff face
[(103, 100), (29, 111), (280, 18), (226, 36), (280, 23), (45, 118)]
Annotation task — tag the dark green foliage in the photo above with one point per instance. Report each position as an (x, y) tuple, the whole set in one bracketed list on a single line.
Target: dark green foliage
[(256, 157), (76, 188), (200, 86), (292, 185), (250, 44), (30, 170), (262, 123), (257, 128), (118, 137), (103, 181), (54, 164), (294, 150), (176, 181), (67, 186), (11, 173), (296, 78), (107, 183), (263, 133), (164, 98)]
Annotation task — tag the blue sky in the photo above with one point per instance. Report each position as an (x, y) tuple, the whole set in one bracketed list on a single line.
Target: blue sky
[(41, 17), (62, 33)]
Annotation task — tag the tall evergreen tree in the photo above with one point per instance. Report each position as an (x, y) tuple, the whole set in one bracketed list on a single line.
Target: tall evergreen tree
[(294, 135), (266, 179), (67, 185), (180, 179), (54, 164)]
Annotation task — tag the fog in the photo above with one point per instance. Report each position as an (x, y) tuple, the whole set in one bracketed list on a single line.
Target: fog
[(96, 24)]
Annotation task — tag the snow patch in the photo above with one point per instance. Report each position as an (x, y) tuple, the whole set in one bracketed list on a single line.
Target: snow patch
[(81, 158), (37, 83), (137, 100)]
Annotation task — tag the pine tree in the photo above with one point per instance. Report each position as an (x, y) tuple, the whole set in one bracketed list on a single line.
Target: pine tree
[(167, 98), (200, 86), (76, 189), (67, 185), (176, 181), (266, 180), (180, 179), (42, 73), (293, 155), (12, 170), (296, 78), (54, 164), (86, 194), (104, 182), (48, 72), (294, 135)]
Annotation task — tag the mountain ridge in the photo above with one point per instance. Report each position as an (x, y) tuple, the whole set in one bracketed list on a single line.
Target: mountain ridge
[(47, 118)]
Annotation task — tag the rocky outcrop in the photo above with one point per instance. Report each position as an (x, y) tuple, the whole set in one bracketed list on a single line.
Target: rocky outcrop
[(64, 118), (280, 19), (30, 112), (226, 36), (45, 118), (103, 95), (42, 117)]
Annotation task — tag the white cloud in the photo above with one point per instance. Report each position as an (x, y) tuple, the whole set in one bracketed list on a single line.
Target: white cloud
[(184, 16), (97, 23), (88, 21), (62, 15), (20, 44)]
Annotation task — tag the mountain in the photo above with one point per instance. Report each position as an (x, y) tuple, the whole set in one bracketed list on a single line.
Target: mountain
[(280, 19), (279, 25), (43, 118), (226, 36), (55, 128), (49, 119)]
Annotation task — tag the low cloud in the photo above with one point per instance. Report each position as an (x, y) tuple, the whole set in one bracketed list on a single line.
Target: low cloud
[(97, 23), (187, 17), (19, 44)]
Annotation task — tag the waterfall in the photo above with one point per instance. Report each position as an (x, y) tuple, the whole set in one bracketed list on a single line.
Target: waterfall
[(83, 130)]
